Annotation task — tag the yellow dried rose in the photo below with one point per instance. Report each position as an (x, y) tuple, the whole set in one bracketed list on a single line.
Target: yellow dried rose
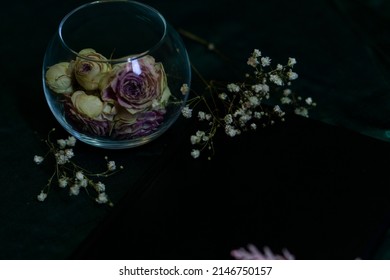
[(88, 105), (59, 78), (89, 68)]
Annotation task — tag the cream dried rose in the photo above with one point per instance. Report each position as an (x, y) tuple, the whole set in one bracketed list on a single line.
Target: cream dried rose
[(89, 68), (59, 78), (88, 105)]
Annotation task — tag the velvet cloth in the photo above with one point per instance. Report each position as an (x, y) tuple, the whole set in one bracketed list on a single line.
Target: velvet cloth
[(317, 186)]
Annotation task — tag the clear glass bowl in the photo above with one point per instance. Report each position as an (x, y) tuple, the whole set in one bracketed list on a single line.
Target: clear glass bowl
[(116, 74)]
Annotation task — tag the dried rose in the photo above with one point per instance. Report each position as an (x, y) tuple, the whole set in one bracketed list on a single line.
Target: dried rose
[(98, 127), (138, 85), (141, 124), (59, 78), (90, 114), (88, 105), (89, 68)]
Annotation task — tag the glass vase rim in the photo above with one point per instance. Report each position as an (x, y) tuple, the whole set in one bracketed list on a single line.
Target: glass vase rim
[(121, 59)]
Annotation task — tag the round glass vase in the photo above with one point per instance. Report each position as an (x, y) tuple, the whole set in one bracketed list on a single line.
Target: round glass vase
[(116, 74)]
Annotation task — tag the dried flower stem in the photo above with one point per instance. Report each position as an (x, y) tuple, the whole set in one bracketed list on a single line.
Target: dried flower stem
[(69, 174), (242, 106), (210, 46)]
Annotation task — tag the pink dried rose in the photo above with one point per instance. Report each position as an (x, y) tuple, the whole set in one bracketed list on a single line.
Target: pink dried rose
[(137, 85), (90, 113), (141, 124)]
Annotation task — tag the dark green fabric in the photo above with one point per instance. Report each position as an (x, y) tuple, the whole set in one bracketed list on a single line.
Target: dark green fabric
[(317, 186)]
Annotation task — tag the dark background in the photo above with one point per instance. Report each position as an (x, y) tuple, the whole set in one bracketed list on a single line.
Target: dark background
[(317, 186)]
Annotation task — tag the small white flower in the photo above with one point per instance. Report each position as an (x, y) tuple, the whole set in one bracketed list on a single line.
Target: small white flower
[(233, 88), (239, 112), (61, 143), (62, 182), (111, 165), (222, 96), (256, 53), (38, 159), (253, 126), (184, 89), (252, 61), (195, 153), (100, 187), (194, 139), (42, 196), (200, 133), (83, 183), (228, 119), (291, 61), (265, 61), (201, 115), (231, 131), (302, 111), (79, 175), (309, 101), (257, 115), (186, 112), (71, 141), (254, 101), (61, 158), (285, 100), (279, 67), (278, 111), (292, 75), (276, 79), (74, 190), (244, 119), (264, 88), (102, 198), (69, 153), (257, 88)]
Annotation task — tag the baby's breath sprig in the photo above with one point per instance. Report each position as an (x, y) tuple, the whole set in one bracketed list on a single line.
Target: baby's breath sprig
[(259, 100), (67, 174)]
